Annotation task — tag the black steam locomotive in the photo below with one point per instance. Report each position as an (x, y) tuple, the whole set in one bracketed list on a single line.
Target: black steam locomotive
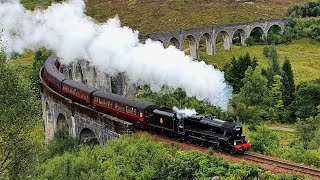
[(199, 129)]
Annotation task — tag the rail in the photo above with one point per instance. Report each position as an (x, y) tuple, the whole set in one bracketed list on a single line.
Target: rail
[(262, 159)]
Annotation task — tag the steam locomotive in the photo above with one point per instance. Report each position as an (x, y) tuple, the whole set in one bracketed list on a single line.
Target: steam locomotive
[(199, 129)]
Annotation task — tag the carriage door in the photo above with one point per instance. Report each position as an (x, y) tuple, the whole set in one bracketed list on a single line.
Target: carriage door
[(181, 126)]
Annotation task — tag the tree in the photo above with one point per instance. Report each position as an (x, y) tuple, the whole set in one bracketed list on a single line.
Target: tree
[(276, 102), (307, 98), (62, 143), (168, 97), (250, 104), (249, 41), (274, 66), (288, 83), (235, 71), (254, 91), (40, 57), (264, 140), (19, 109), (308, 130)]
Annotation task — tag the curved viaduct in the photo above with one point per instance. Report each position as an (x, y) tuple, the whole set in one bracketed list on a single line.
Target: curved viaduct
[(90, 125), (210, 34)]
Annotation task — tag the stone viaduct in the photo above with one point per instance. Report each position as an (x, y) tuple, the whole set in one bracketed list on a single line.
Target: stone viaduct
[(80, 121), (93, 126), (210, 34)]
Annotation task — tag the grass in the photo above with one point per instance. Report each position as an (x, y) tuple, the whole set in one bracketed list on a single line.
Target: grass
[(286, 138), (24, 59), (303, 54), (167, 15)]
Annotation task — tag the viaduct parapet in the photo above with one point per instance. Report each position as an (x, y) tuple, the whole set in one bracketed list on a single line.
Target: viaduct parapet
[(210, 34), (83, 72)]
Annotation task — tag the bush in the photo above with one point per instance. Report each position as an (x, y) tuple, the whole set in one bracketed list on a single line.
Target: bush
[(249, 41), (307, 98), (264, 140), (137, 157), (300, 29), (310, 9), (312, 157), (62, 143)]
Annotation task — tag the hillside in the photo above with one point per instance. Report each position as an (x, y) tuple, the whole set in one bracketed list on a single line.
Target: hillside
[(165, 15)]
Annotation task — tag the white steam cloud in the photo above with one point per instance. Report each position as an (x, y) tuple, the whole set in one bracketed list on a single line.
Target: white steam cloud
[(184, 113), (65, 29)]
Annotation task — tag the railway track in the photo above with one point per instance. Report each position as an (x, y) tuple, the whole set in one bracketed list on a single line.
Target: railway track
[(271, 163), (293, 167)]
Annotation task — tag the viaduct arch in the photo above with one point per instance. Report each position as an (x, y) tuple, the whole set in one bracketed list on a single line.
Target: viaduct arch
[(177, 38)]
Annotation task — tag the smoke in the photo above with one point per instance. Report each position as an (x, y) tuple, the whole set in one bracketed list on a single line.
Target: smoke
[(65, 29), (184, 113)]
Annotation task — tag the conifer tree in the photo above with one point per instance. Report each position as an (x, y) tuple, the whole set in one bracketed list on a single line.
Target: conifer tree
[(251, 103), (276, 102), (288, 83), (235, 71), (274, 66), (254, 90)]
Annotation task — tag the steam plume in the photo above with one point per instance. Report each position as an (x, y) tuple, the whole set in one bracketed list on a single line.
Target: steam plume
[(65, 29), (184, 113)]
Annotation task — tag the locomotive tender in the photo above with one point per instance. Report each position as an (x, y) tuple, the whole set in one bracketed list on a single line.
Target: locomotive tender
[(199, 129)]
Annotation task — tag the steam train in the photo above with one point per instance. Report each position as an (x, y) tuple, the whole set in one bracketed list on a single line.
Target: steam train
[(199, 129)]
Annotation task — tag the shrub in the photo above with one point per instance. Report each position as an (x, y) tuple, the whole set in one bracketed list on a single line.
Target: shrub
[(249, 41)]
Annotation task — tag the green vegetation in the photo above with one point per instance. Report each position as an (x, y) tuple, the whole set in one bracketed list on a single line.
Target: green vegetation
[(251, 103), (235, 71), (39, 59), (288, 83), (301, 146), (167, 15), (303, 54), (19, 114), (138, 157), (308, 98), (169, 98), (310, 9)]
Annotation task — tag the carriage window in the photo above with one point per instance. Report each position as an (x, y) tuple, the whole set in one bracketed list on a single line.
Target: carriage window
[(134, 111), (141, 114), (128, 110)]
